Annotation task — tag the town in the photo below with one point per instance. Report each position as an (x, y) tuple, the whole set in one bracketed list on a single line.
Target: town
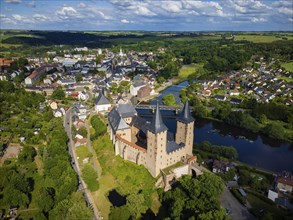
[(95, 88)]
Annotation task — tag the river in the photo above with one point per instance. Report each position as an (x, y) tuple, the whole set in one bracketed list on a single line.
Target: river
[(253, 149)]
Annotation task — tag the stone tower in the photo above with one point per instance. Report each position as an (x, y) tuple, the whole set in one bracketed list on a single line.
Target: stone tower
[(156, 144), (185, 127)]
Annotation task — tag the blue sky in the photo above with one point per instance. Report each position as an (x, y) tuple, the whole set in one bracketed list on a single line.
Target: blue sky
[(150, 15)]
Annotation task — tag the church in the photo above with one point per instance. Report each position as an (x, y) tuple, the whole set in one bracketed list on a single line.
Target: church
[(150, 143)]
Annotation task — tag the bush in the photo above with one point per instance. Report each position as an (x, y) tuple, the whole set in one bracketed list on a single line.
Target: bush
[(238, 196), (99, 126), (90, 176)]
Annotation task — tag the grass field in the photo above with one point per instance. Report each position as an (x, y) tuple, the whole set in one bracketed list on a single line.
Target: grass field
[(187, 70), (288, 66), (124, 176), (260, 38)]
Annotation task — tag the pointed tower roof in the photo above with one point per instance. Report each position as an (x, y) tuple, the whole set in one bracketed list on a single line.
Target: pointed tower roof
[(102, 100), (157, 125), (185, 115)]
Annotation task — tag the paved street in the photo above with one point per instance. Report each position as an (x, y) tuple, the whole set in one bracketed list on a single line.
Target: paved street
[(238, 212)]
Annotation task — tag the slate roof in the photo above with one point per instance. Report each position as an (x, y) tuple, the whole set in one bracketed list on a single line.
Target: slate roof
[(102, 100), (173, 146), (157, 125), (126, 110), (138, 84), (116, 121), (185, 115), (138, 122)]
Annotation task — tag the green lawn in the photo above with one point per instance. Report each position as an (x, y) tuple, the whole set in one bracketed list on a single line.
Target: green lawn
[(260, 38), (187, 70), (288, 66), (125, 176), (82, 152)]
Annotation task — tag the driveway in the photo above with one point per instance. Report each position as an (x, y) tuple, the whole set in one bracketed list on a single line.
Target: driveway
[(238, 212)]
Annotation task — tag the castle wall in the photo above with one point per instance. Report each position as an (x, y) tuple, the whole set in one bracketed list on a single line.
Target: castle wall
[(125, 133), (156, 153), (184, 134), (175, 156)]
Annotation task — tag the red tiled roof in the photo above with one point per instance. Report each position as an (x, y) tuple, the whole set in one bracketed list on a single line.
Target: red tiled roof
[(129, 143), (285, 181), (192, 158)]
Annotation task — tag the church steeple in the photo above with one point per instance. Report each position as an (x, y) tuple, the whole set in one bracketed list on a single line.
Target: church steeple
[(185, 115), (157, 125)]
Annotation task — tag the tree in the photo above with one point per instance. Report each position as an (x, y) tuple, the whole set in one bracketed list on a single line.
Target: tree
[(169, 100), (90, 177), (121, 213), (78, 77), (136, 205), (46, 198), (82, 131), (58, 94), (197, 198)]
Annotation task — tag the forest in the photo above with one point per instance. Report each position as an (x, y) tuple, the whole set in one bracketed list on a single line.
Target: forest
[(41, 182)]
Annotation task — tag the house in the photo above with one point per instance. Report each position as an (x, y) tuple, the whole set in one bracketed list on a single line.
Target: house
[(83, 96), (36, 74), (80, 142), (236, 101), (284, 182), (220, 97), (59, 112), (220, 166), (80, 111), (144, 91), (272, 195), (102, 103), (135, 87), (284, 203), (53, 105), (78, 124), (234, 92)]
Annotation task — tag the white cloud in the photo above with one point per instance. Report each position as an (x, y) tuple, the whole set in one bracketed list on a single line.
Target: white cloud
[(290, 19), (257, 20), (286, 11), (282, 3), (124, 21), (12, 1), (67, 12), (40, 17), (81, 5), (31, 4), (141, 9), (2, 15), (172, 6), (21, 19)]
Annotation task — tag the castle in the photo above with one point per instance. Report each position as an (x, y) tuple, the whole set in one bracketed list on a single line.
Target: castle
[(150, 143)]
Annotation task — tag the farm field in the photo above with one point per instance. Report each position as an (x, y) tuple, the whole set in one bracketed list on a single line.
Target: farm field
[(260, 38), (288, 66)]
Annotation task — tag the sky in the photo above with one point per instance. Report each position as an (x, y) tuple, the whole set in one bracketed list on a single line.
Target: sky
[(148, 15)]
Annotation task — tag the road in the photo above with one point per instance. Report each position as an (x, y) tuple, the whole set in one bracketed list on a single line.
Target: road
[(238, 212), (87, 195)]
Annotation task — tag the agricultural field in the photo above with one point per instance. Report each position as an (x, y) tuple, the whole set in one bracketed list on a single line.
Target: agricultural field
[(288, 66), (261, 38)]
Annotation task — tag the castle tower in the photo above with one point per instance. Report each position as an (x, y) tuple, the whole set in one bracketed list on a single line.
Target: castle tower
[(156, 144), (185, 127)]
